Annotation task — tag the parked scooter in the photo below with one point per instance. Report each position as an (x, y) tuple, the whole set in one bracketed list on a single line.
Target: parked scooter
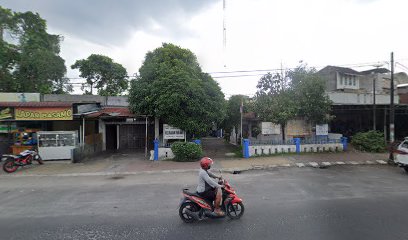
[(13, 162), (194, 208)]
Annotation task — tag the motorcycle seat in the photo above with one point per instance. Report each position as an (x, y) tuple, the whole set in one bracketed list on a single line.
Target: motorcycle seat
[(186, 191)]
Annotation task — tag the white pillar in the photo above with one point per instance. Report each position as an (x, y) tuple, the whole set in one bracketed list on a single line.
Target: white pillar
[(156, 128)]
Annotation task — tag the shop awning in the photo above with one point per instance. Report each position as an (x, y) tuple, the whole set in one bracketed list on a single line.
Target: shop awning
[(112, 112)]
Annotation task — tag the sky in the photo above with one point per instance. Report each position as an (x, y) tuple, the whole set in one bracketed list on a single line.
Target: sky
[(260, 34)]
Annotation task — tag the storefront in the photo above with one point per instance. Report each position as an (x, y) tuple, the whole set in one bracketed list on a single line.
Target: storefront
[(123, 130), (22, 122)]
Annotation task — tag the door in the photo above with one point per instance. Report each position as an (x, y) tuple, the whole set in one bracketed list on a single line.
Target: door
[(111, 137)]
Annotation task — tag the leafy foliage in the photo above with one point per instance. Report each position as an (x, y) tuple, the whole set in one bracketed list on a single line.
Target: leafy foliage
[(233, 114), (102, 73), (31, 62), (371, 141), (186, 151), (299, 93), (172, 86)]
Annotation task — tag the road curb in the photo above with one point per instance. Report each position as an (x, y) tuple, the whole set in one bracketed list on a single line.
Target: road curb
[(225, 170)]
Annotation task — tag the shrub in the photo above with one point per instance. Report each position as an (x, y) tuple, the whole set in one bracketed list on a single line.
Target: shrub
[(371, 141), (186, 151)]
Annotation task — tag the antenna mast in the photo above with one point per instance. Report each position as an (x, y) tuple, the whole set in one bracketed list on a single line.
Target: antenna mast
[(224, 28)]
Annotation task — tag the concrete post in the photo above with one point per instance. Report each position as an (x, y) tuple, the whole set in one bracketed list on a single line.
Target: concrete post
[(156, 150), (344, 142), (297, 143), (246, 148)]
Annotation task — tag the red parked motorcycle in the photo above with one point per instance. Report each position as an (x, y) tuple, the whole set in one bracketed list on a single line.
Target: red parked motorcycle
[(193, 207), (13, 162)]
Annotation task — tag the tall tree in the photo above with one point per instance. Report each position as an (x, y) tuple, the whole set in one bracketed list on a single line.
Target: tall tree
[(233, 113), (299, 93), (33, 63), (102, 73), (172, 86)]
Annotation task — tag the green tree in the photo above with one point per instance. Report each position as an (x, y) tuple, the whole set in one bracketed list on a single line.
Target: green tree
[(233, 115), (299, 93), (102, 73), (274, 101), (32, 64), (172, 86)]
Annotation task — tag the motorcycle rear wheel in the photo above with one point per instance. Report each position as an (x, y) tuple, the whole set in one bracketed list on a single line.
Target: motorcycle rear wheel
[(235, 210), (183, 215), (9, 166)]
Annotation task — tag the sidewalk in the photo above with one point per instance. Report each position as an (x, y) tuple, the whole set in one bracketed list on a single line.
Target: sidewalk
[(117, 163)]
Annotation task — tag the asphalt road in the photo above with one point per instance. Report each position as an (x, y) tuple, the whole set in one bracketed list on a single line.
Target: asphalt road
[(341, 202)]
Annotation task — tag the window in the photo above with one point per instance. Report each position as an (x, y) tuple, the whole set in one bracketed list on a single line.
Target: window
[(354, 81), (349, 80)]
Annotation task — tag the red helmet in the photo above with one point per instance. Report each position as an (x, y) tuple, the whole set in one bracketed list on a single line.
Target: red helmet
[(206, 163)]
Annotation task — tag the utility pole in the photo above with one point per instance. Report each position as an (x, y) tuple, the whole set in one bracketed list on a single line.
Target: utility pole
[(241, 110), (374, 107), (391, 156), (392, 126)]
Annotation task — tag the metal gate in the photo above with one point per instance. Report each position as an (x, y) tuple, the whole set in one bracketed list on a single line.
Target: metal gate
[(132, 136)]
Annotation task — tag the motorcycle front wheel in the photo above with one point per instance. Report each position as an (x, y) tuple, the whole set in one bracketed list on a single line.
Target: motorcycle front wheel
[(39, 159), (9, 166), (235, 210), (182, 211)]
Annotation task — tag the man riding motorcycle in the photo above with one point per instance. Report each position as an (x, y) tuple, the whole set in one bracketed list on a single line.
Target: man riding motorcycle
[(207, 187)]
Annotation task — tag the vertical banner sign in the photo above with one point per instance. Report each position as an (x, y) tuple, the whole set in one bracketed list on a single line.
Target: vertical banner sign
[(170, 132), (322, 129)]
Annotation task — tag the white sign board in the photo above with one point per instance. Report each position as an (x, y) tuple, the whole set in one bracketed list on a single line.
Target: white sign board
[(170, 132), (270, 128), (322, 129)]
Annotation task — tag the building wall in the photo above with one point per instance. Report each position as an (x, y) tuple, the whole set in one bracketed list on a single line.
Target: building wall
[(103, 100), (360, 98), (330, 79)]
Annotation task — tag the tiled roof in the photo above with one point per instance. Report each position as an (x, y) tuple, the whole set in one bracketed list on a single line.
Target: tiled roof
[(35, 104), (112, 112), (339, 69)]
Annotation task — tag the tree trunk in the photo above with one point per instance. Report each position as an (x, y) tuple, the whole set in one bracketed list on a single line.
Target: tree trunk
[(1, 33), (283, 132)]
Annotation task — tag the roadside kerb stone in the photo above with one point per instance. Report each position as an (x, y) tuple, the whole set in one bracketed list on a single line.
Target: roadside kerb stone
[(381, 162), (300, 165), (326, 164), (353, 163), (340, 163), (314, 164)]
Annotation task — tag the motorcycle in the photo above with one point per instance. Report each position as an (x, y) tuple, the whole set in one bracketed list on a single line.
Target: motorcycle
[(194, 208), (13, 162)]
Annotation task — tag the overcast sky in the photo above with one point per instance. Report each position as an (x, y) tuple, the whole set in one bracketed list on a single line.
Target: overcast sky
[(261, 34)]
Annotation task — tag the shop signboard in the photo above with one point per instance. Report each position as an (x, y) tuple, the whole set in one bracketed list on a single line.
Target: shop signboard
[(57, 113), (297, 128), (270, 128), (6, 113), (170, 132), (19, 97), (5, 128), (322, 129)]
